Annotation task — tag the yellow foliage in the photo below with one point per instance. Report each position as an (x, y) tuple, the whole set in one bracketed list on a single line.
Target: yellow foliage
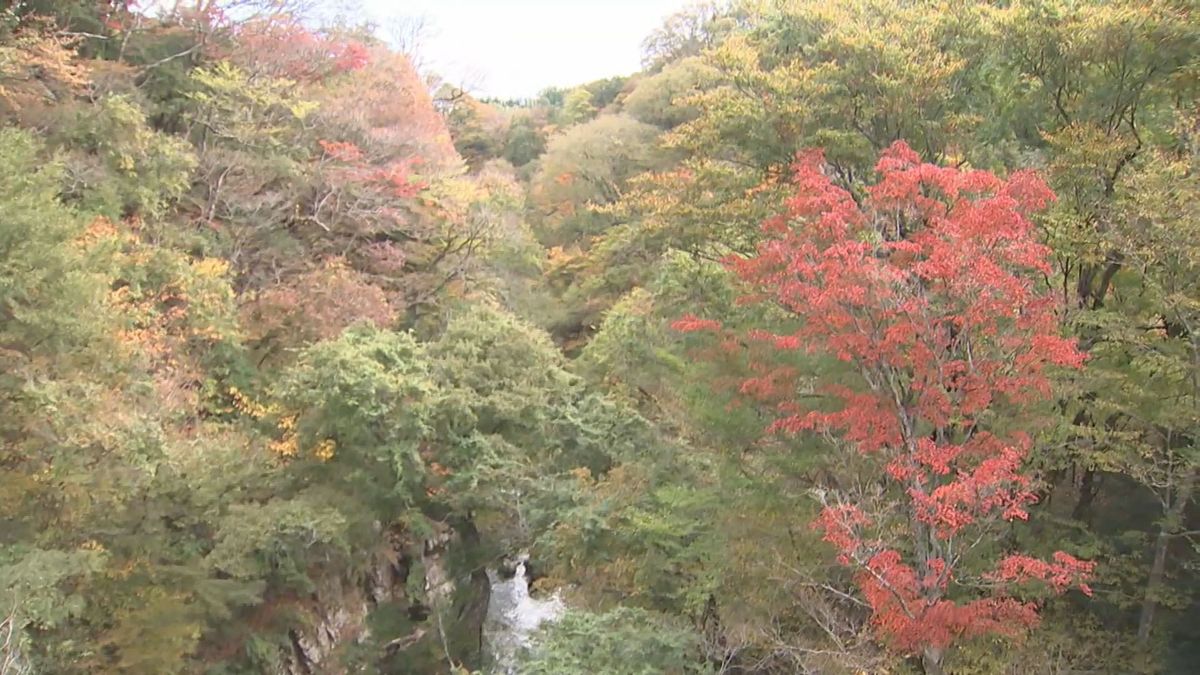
[(248, 406), (100, 230), (558, 256), (288, 445), (325, 449), (211, 268), (36, 70)]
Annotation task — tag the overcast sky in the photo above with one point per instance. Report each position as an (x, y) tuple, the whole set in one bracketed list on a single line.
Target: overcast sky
[(516, 48)]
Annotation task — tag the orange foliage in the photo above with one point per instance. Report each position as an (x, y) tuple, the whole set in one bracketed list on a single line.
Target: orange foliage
[(318, 304), (341, 151), (389, 106), (44, 71), (285, 48)]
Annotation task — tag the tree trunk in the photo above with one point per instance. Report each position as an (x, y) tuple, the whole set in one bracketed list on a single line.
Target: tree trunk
[(931, 661), (1088, 489), (1157, 570)]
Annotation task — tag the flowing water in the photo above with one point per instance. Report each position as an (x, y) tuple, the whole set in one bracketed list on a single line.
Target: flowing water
[(513, 615)]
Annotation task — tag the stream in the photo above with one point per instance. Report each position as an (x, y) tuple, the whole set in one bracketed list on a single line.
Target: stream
[(512, 617)]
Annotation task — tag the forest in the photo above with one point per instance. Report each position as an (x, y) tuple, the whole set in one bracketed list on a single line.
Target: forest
[(845, 337)]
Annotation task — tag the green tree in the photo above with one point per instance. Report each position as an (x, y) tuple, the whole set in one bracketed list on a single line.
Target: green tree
[(588, 166), (622, 642), (525, 139), (578, 106), (661, 99)]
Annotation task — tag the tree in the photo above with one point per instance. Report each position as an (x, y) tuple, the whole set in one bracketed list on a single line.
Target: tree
[(927, 293), (623, 641), (54, 324), (105, 346), (847, 77), (1107, 96), (578, 106), (128, 167), (661, 99), (605, 91), (525, 138), (688, 33), (478, 129), (587, 166), (1145, 360), (281, 47)]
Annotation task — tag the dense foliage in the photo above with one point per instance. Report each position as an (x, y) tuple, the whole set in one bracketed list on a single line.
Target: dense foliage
[(845, 337)]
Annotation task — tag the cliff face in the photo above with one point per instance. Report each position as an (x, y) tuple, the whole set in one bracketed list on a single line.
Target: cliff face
[(418, 601)]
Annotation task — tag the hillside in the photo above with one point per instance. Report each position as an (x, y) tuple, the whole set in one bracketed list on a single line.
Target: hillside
[(844, 337)]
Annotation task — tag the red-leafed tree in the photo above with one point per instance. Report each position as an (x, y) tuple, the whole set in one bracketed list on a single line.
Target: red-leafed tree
[(281, 46), (929, 291)]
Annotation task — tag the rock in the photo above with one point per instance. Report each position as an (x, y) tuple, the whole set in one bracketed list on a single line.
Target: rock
[(533, 572), (340, 617), (340, 608), (507, 567)]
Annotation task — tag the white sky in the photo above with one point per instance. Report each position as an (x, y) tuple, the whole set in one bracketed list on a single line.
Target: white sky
[(516, 48)]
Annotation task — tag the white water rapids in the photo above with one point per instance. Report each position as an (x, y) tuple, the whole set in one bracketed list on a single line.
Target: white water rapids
[(512, 617)]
